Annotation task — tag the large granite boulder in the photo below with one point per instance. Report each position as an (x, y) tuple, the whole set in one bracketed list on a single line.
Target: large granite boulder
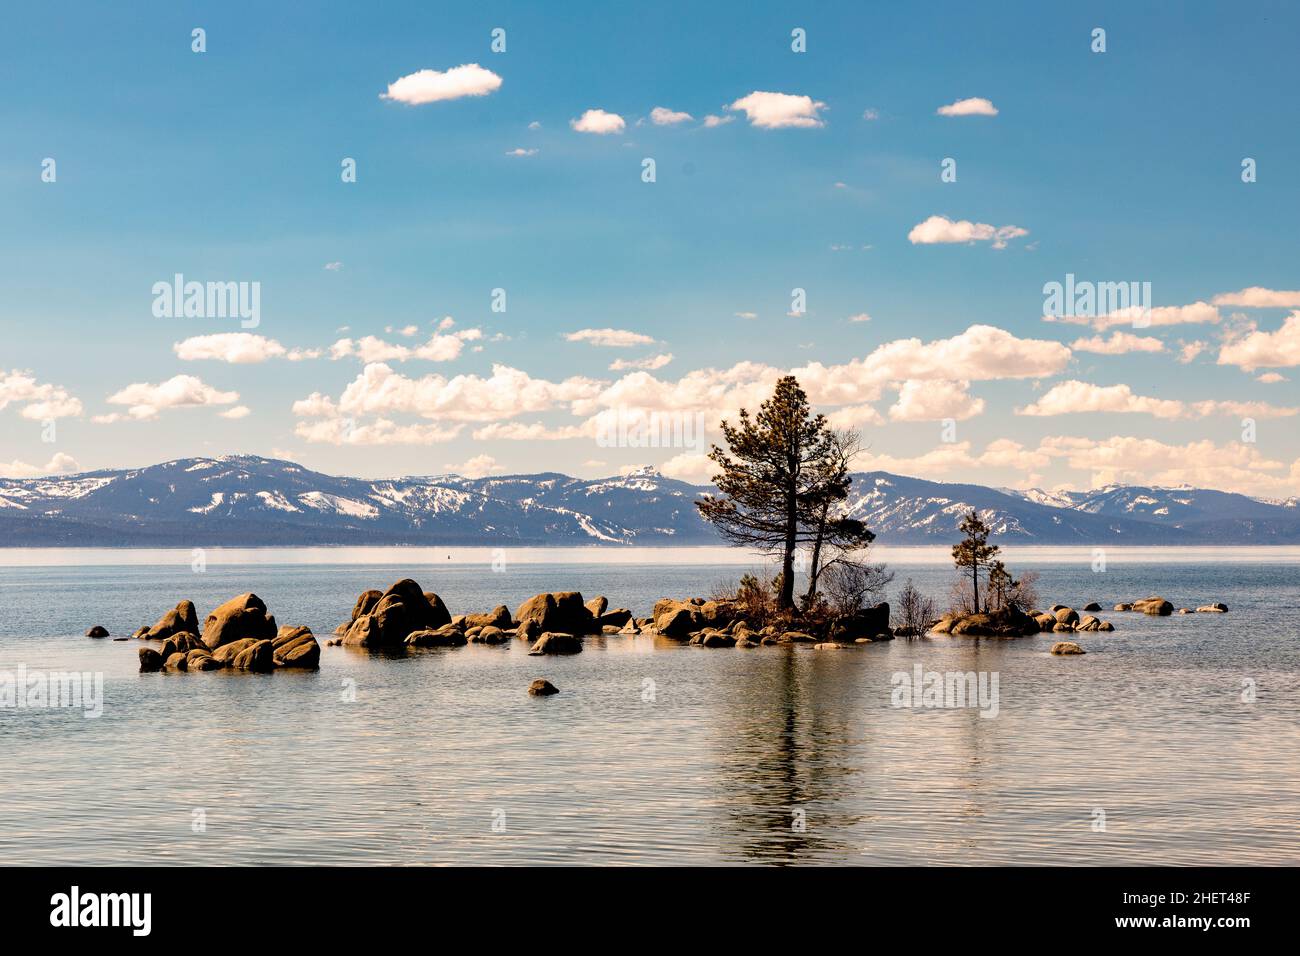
[(1066, 615), (1067, 647), (449, 635), (559, 611), (365, 601), (180, 619), (554, 642), (497, 617), (259, 657), (296, 647), (241, 617), (1155, 606), (400, 611), (1005, 622), (150, 660), (597, 606), (619, 617)]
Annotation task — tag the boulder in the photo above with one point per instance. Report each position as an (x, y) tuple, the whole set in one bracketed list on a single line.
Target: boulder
[(556, 642), (499, 617), (1088, 623), (140, 632), (1092, 606), (490, 635), (449, 635), (1005, 622), (1185, 610), (713, 638), (150, 660), (597, 606), (1066, 615), (1067, 647), (528, 631), (1123, 607), (1060, 628), (542, 688), (296, 647), (617, 618), (178, 662), (867, 622), (558, 611), (259, 657), (1059, 607), (181, 643), (1045, 621), (745, 642), (226, 653), (181, 618), (1154, 606), (1215, 608), (241, 617), (97, 631), (677, 618), (797, 637), (201, 659), (1106, 626), (399, 612)]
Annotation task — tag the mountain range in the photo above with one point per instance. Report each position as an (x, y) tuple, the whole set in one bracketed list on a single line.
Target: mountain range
[(248, 501)]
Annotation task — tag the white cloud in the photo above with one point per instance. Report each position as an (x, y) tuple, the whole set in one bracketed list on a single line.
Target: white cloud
[(598, 122), (239, 411), (59, 464), (382, 431), (651, 363), (333, 266), (930, 401), (1198, 313), (440, 347), (1256, 297), (536, 431), (1271, 378), (778, 110), (974, 106), (144, 401), (521, 152), (432, 86), (479, 466), (1256, 349), (1188, 351), (697, 469), (614, 338), (854, 416), (871, 114), (860, 317), (238, 348), (746, 315), (1119, 343), (1073, 397), (712, 121), (40, 401), (940, 229), (662, 116)]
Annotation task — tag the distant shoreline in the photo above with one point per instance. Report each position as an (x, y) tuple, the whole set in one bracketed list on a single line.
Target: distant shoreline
[(699, 555)]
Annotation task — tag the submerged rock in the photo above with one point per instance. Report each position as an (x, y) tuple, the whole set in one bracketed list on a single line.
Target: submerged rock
[(449, 635), (97, 631), (1154, 606), (1215, 608), (1067, 647), (542, 688), (556, 642)]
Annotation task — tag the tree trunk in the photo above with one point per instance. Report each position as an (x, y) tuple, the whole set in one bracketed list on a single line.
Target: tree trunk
[(785, 601), (975, 582), (814, 569)]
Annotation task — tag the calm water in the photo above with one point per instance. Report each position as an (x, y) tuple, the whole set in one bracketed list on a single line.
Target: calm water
[(1149, 727)]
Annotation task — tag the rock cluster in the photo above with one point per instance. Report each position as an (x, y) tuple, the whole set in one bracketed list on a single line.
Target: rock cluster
[(1012, 622), (238, 634)]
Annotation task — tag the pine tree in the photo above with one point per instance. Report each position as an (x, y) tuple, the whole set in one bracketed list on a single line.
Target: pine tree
[(834, 538), (974, 551), (772, 473)]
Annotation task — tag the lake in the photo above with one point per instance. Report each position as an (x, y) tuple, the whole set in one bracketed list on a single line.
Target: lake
[(1172, 741)]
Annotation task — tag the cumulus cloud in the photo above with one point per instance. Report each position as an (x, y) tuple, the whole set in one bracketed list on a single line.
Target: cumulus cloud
[(778, 110), (712, 121), (432, 86), (1138, 317), (974, 106), (1256, 349), (381, 431), (239, 411), (661, 116), (929, 401), (697, 469), (238, 348), (940, 229), (144, 400), (651, 363), (441, 347), (860, 317), (40, 401), (1073, 397), (1256, 297), (1270, 378), (59, 464), (520, 151), (479, 466), (1119, 343), (598, 122), (614, 338)]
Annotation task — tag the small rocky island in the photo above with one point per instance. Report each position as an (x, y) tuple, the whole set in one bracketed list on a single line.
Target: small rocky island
[(242, 635)]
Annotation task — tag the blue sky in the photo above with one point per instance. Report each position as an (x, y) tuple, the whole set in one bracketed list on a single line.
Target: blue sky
[(225, 166)]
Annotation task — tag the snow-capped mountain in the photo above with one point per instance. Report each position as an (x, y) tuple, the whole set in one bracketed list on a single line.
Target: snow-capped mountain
[(250, 501)]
